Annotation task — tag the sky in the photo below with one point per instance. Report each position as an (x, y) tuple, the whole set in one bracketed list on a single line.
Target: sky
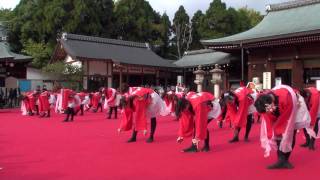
[(191, 6)]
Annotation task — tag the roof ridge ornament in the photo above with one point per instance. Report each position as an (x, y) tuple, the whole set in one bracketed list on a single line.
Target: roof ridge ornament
[(290, 5)]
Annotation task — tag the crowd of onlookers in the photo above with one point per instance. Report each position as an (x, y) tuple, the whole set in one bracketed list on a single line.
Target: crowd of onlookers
[(9, 97)]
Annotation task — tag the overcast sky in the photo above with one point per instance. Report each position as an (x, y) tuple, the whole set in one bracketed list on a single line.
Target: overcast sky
[(191, 6)]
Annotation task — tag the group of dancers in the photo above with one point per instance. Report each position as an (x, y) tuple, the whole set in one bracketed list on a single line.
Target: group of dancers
[(69, 102), (282, 111)]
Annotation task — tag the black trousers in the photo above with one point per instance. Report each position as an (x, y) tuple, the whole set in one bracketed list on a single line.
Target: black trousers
[(70, 112), (282, 156), (115, 108), (206, 141), (99, 106), (248, 125), (81, 109)]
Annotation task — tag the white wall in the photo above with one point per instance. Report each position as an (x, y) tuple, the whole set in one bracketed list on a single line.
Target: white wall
[(97, 67), (36, 74)]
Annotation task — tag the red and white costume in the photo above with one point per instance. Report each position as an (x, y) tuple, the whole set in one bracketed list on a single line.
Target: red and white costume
[(136, 118), (293, 115), (44, 104), (111, 98), (196, 124)]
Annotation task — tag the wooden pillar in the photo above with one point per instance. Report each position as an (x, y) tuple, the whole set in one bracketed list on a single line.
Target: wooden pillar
[(184, 76), (250, 68), (297, 73), (120, 79), (142, 80), (157, 77), (109, 74), (128, 76)]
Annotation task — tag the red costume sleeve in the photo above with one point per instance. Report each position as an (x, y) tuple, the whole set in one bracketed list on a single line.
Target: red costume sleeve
[(44, 102), (269, 119), (231, 112), (201, 120), (314, 105), (126, 122), (285, 108), (65, 97), (140, 108), (242, 112), (186, 128), (32, 102), (95, 100)]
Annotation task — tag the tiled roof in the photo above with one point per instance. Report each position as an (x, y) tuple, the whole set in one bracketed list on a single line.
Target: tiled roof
[(284, 20), (126, 52), (204, 57), (6, 54)]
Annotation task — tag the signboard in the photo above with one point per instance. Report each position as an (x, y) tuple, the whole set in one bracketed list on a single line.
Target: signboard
[(180, 80), (318, 84), (266, 80), (135, 69), (278, 81), (117, 69), (149, 70)]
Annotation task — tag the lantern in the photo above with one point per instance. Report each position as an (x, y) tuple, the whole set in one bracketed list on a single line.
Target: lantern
[(216, 80), (216, 75), (199, 78)]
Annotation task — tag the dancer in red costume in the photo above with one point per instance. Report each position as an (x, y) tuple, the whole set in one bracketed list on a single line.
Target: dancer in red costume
[(193, 117), (69, 104), (237, 107), (96, 101), (135, 119), (312, 98), (44, 105), (137, 107), (84, 100), (170, 101), (28, 104), (282, 113), (110, 101)]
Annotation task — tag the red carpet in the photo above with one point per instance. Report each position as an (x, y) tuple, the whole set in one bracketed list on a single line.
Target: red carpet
[(90, 148)]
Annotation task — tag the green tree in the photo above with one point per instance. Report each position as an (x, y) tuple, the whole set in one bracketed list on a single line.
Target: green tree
[(197, 21), (5, 15), (182, 29), (215, 20), (135, 20), (42, 21), (165, 35), (39, 51), (73, 74), (67, 71), (253, 16), (220, 21)]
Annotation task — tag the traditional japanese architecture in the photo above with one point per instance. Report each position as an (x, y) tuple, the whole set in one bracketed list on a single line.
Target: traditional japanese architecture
[(107, 62), (285, 45), (207, 59), (12, 65)]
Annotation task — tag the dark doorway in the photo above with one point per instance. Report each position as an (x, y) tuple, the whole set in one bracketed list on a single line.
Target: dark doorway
[(285, 75)]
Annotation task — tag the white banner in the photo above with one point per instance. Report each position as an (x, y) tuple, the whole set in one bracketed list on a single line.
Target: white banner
[(266, 80)]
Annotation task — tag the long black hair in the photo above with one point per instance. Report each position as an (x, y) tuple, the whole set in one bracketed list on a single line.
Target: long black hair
[(230, 96), (264, 99), (182, 104)]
